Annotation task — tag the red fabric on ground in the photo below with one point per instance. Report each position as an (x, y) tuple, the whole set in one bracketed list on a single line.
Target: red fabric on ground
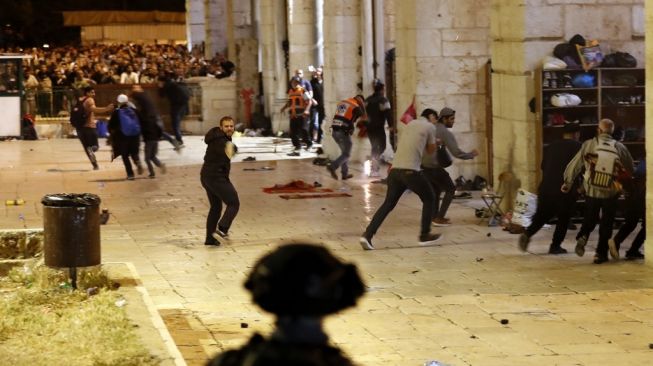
[(296, 186), (316, 195)]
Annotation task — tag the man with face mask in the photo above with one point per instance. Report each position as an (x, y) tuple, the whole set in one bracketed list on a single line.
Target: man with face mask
[(215, 180)]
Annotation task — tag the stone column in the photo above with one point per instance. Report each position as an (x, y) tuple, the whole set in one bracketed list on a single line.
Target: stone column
[(216, 27), (302, 37), (195, 17), (441, 51), (648, 248), (342, 65), (272, 32)]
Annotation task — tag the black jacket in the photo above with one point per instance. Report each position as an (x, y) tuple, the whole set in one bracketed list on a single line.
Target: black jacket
[(148, 115), (378, 112), (216, 161), (555, 158)]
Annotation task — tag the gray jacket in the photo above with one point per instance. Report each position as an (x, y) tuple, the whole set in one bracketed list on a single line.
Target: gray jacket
[(578, 163), (447, 138)]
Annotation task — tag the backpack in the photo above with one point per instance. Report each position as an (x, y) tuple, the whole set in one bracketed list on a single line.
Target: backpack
[(129, 125), (603, 164), (78, 115)]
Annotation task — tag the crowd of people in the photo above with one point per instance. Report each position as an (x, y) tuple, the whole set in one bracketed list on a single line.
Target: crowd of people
[(58, 69)]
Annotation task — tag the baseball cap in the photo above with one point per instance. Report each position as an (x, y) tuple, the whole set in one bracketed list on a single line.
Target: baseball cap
[(122, 99), (446, 112)]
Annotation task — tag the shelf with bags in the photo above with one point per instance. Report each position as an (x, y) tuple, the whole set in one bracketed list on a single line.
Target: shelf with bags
[(621, 87), (565, 89), (572, 106)]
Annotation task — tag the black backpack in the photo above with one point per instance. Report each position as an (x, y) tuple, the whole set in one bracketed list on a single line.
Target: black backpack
[(78, 115)]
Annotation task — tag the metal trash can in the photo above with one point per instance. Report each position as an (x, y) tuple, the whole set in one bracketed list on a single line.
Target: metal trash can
[(71, 230)]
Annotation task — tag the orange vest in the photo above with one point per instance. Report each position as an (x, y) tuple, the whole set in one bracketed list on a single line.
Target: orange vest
[(345, 113), (297, 101)]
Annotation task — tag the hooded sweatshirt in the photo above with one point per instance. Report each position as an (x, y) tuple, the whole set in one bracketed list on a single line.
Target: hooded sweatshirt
[(216, 160)]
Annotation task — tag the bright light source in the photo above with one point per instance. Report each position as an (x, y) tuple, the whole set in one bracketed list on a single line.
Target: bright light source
[(367, 167), (46, 45)]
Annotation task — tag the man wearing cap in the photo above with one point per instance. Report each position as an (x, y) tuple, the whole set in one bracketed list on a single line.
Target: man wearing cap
[(299, 102), (436, 174), (379, 113), (550, 200), (125, 130), (418, 138)]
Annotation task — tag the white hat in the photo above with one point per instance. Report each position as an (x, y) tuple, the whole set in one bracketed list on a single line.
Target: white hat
[(122, 99)]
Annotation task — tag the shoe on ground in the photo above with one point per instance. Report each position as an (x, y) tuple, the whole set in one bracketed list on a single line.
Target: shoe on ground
[(96, 167), (580, 246), (212, 242), (523, 242), (441, 222), (221, 234), (151, 176), (631, 256), (612, 249), (294, 153), (348, 176), (366, 243), (163, 168), (139, 169), (600, 259), (428, 239), (332, 172), (557, 250), (130, 177)]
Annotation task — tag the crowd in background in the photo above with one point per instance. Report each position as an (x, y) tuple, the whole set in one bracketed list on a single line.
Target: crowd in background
[(67, 68)]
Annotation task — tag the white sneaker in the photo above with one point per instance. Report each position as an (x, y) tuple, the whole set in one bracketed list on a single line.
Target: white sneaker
[(429, 239), (366, 243)]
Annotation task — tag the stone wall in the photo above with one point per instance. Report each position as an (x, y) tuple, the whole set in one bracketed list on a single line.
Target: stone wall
[(218, 99), (649, 131), (196, 32), (442, 50), (246, 58)]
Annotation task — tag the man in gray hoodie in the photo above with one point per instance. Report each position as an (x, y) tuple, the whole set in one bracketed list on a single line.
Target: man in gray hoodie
[(434, 172), (604, 159)]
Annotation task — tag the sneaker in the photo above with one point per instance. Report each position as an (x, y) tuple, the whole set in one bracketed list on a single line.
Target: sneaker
[(630, 256), (523, 242), (130, 177), (612, 249), (428, 239), (348, 176), (96, 167), (177, 146), (600, 259), (441, 222), (580, 246), (294, 153), (151, 176), (163, 169), (366, 243), (557, 250), (212, 241), (332, 172), (220, 234)]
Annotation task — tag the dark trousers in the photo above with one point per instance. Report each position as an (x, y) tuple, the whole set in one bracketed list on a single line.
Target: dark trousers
[(177, 113), (377, 141), (151, 149), (129, 149), (556, 204), (441, 183), (635, 211), (343, 139), (88, 137), (398, 181), (220, 190), (298, 130), (607, 207)]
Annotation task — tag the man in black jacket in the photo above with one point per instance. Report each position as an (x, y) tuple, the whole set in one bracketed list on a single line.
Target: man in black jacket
[(215, 180), (379, 113), (149, 117), (550, 200), (178, 95)]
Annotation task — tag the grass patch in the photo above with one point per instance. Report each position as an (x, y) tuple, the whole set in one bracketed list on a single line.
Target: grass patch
[(44, 322)]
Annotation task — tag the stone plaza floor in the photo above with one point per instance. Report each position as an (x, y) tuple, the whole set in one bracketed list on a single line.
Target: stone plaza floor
[(444, 302)]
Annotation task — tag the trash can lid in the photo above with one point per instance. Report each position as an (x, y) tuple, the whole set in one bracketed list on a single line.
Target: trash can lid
[(70, 200)]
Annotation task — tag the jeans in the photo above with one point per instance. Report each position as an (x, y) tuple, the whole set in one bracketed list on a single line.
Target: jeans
[(608, 208), (220, 190), (151, 149), (398, 181), (549, 205), (315, 127), (343, 139), (130, 149), (440, 182), (177, 113), (298, 129)]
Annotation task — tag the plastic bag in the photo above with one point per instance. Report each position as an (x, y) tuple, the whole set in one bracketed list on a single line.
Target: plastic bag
[(525, 207)]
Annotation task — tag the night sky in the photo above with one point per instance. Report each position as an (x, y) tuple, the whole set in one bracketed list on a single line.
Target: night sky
[(36, 22)]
